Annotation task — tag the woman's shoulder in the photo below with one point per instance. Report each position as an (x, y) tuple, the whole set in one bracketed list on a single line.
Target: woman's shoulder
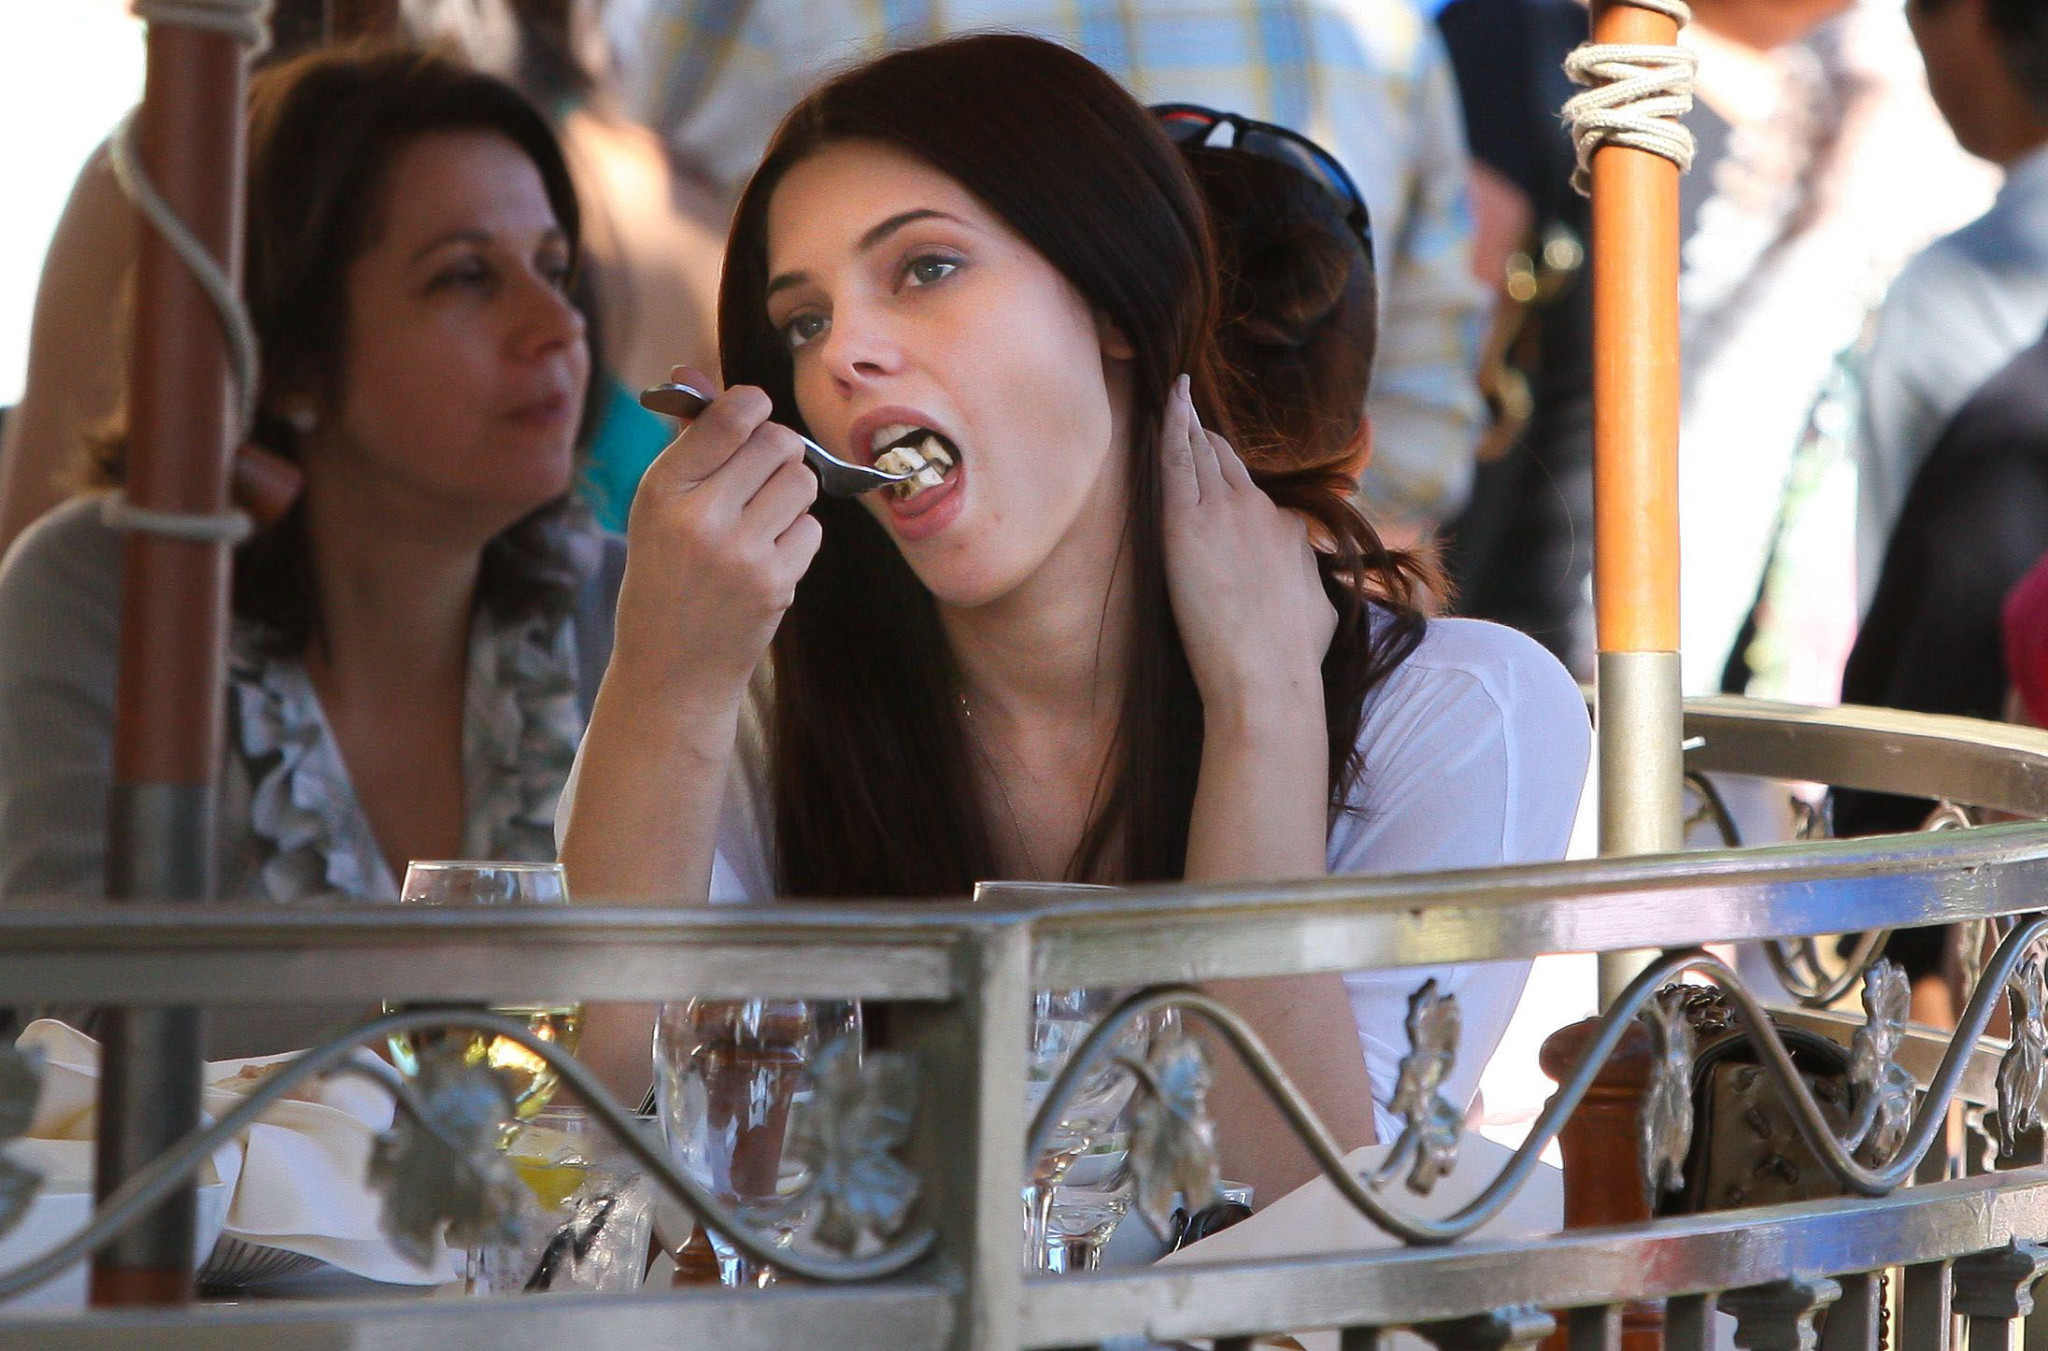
[(70, 542), (1483, 671), (63, 573), (1472, 752)]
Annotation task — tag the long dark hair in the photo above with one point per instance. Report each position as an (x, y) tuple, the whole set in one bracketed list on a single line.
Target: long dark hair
[(324, 129), (873, 790), (1300, 308)]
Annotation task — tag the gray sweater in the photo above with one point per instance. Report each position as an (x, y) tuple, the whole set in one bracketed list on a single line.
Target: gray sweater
[(290, 829)]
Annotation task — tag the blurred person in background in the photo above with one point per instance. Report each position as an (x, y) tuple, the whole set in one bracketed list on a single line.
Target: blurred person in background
[(1956, 609), (1964, 307), (1367, 79), (2023, 619), (1522, 551), (1822, 166), (1973, 523), (1950, 457)]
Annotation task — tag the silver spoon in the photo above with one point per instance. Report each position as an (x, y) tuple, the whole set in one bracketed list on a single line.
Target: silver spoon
[(836, 478)]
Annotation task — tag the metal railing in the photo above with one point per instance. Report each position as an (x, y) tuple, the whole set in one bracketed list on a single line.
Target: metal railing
[(958, 978)]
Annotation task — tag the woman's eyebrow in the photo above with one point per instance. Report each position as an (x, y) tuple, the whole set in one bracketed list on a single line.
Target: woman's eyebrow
[(875, 235), (463, 236)]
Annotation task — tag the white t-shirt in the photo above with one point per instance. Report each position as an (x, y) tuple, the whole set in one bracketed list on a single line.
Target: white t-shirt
[(1475, 751)]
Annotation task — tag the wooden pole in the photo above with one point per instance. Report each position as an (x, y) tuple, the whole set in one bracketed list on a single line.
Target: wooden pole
[(1635, 582), (168, 715), (1635, 488), (1635, 375)]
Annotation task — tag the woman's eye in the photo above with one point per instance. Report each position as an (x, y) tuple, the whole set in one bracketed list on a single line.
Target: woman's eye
[(930, 268), (799, 329), (556, 270), (471, 274)]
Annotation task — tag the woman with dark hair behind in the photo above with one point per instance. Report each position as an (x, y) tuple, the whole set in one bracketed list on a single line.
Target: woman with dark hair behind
[(1297, 296), (1103, 646), (417, 638)]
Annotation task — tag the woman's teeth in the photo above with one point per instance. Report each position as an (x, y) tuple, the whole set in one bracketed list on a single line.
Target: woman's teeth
[(916, 452)]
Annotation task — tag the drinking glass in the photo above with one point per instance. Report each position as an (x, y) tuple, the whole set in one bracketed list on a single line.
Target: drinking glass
[(590, 1227), (1079, 1224), (727, 1075), (1091, 1138), (462, 882)]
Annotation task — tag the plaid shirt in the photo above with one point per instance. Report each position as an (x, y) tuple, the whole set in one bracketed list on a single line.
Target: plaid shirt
[(1367, 78)]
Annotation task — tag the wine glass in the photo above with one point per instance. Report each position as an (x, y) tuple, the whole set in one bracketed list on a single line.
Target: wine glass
[(1090, 1140), (727, 1075), (463, 882), (589, 1226)]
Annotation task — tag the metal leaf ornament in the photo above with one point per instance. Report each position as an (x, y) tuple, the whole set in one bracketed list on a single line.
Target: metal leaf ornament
[(2023, 1069), (1884, 1091), (1428, 1144), (21, 1083), (1173, 1140), (1666, 1117), (439, 1166), (860, 1112)]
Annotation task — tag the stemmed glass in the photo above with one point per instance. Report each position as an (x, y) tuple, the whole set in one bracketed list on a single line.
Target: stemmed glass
[(1079, 1183), (1079, 1187), (727, 1075), (459, 882), (589, 1227)]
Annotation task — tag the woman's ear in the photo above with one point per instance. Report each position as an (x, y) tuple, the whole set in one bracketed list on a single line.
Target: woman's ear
[(1112, 340)]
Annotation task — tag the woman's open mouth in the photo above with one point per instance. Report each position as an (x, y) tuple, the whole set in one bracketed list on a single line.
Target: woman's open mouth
[(927, 456)]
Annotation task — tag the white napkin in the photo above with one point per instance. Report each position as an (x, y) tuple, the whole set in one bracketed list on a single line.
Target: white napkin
[(1315, 1219), (298, 1174)]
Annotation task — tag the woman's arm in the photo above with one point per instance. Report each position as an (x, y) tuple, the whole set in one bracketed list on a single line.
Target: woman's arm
[(1256, 624), (75, 349), (719, 535), (60, 609)]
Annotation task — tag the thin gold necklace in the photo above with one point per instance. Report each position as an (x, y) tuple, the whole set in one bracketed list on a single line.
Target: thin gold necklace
[(1016, 824)]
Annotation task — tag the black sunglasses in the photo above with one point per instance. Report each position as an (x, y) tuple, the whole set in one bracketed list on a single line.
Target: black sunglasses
[(1192, 124)]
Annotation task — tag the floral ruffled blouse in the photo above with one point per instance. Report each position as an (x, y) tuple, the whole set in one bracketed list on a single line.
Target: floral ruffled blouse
[(293, 825)]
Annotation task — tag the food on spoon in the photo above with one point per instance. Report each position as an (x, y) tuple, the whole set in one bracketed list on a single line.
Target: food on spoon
[(901, 460), (916, 452)]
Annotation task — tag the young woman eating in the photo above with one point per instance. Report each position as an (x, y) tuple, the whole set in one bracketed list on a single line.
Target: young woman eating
[(1104, 647)]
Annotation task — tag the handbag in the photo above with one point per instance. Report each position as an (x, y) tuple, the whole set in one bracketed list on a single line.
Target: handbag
[(1746, 1147)]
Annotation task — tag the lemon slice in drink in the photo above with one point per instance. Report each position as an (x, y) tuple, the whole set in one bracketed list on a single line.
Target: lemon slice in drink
[(549, 1163)]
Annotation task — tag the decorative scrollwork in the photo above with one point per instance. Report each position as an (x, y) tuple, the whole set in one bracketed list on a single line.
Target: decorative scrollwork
[(21, 1083), (1884, 1091), (149, 1186), (439, 1167), (1883, 1145), (1798, 963), (1666, 1116), (1173, 1141), (859, 1113), (2023, 1069), (1428, 1144)]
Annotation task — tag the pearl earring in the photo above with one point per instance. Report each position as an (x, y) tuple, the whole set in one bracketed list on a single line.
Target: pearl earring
[(300, 417)]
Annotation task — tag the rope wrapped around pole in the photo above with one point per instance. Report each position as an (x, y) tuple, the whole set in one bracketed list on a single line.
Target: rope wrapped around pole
[(191, 390), (246, 21), (1635, 94), (1631, 149)]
